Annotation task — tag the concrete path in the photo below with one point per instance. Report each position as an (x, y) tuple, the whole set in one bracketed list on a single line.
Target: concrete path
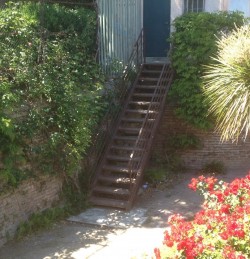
[(68, 239)]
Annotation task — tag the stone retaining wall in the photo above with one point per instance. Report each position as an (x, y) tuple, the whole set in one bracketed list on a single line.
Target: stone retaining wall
[(31, 196), (232, 155)]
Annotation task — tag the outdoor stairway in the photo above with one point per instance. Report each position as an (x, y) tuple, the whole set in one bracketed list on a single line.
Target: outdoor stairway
[(120, 173)]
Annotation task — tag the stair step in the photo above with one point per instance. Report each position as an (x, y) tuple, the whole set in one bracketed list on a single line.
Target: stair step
[(126, 148), (149, 79), (148, 87), (151, 66), (125, 138), (122, 158), (140, 111), (143, 103), (146, 95), (118, 169), (151, 71), (114, 179), (129, 130), (133, 120), (111, 190), (106, 202)]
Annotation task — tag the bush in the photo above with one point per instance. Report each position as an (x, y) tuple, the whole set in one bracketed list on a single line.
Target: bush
[(49, 86), (183, 142), (213, 167), (193, 43), (220, 230), (227, 84)]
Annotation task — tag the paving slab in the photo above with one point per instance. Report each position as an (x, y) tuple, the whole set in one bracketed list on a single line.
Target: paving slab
[(111, 217)]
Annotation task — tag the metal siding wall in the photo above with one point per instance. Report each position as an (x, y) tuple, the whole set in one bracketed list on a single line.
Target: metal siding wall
[(120, 23)]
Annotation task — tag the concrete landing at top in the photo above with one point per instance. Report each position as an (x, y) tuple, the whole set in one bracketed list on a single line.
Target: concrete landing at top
[(157, 60)]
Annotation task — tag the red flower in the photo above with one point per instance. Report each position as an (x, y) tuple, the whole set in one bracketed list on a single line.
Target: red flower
[(225, 208), (224, 217), (211, 182), (236, 229), (193, 184), (181, 245), (168, 243), (175, 218), (167, 240), (224, 235), (157, 253), (219, 195), (200, 218)]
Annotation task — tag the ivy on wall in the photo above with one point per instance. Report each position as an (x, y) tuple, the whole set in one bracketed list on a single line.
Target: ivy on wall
[(193, 44), (50, 89)]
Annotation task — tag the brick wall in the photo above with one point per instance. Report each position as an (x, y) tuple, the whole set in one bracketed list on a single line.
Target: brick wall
[(232, 155), (30, 197)]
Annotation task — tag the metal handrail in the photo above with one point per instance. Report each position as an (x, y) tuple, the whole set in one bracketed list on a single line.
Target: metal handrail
[(108, 124), (147, 130)]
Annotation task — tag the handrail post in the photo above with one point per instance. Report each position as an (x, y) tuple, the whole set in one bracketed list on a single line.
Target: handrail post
[(143, 46), (137, 54)]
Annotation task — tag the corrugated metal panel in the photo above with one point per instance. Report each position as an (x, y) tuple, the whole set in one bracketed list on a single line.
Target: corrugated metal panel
[(120, 23)]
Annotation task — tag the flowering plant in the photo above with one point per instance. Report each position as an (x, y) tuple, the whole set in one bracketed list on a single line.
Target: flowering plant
[(220, 230)]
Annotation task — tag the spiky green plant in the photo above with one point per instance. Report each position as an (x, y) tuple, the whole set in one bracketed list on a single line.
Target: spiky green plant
[(227, 85)]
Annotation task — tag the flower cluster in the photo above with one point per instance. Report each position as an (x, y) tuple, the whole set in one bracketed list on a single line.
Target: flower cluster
[(220, 230)]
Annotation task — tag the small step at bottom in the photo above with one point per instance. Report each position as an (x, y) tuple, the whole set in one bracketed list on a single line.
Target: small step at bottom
[(112, 217)]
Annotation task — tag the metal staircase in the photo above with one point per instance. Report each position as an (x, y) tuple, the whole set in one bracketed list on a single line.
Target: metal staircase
[(120, 172)]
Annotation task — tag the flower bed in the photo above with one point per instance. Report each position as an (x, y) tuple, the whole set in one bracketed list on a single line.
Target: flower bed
[(220, 230)]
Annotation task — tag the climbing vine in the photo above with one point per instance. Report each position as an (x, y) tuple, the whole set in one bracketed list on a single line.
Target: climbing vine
[(50, 89), (194, 42)]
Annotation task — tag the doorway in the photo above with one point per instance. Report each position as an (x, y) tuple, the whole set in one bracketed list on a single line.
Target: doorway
[(156, 22)]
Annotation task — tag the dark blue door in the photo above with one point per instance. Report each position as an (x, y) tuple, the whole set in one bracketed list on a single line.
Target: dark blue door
[(157, 27)]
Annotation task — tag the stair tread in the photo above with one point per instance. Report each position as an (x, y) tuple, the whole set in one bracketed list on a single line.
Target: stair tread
[(146, 65), (107, 202), (148, 78), (140, 111), (111, 190), (132, 119), (129, 129), (146, 95), (115, 168), (126, 138), (148, 86), (122, 158), (143, 102), (116, 179), (151, 71), (128, 148)]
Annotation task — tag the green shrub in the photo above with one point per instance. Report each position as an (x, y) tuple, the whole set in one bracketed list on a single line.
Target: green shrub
[(227, 84), (50, 87), (213, 167), (183, 142), (40, 221), (193, 43), (156, 175)]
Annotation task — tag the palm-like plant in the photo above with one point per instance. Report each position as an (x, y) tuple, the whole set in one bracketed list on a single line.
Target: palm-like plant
[(227, 85)]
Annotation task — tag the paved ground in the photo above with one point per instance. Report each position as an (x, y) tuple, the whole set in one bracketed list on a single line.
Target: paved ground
[(79, 241)]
